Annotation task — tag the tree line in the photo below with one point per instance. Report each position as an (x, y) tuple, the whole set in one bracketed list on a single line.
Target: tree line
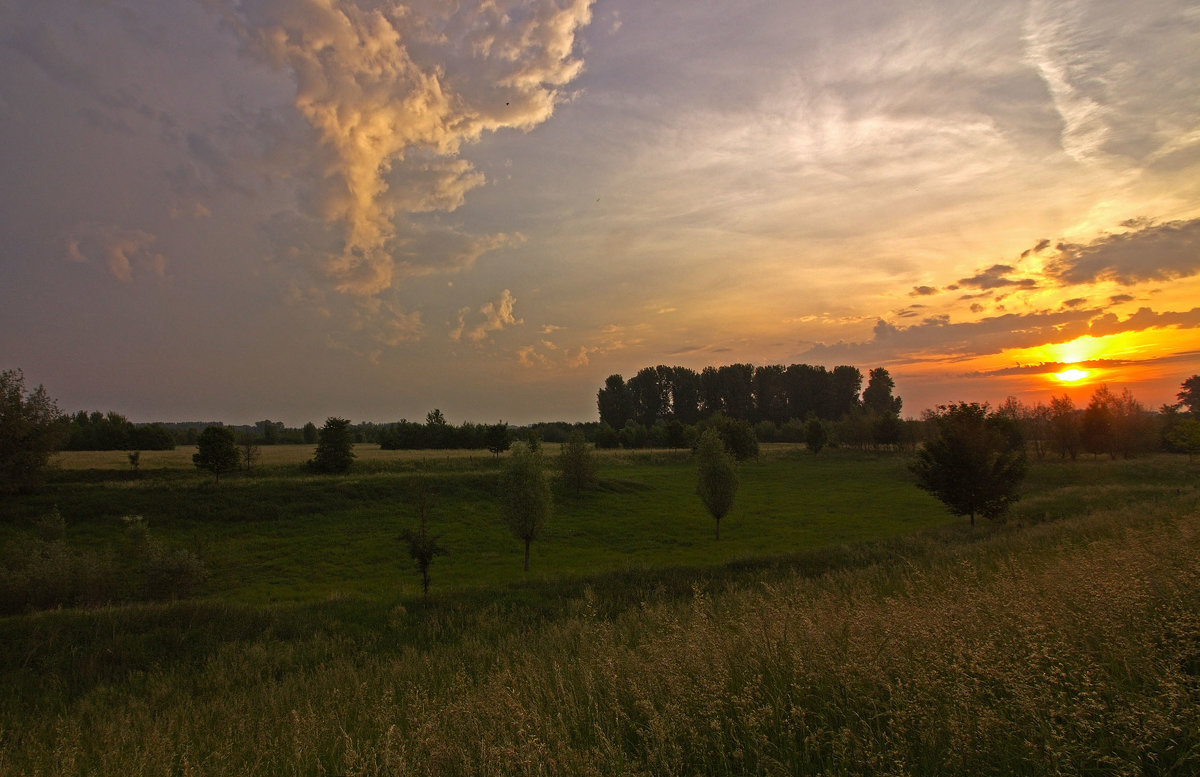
[(1111, 424), (661, 406), (772, 392)]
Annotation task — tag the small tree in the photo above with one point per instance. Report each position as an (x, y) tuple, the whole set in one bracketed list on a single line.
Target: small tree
[(310, 433), (816, 436), (578, 462), (496, 438), (974, 463), (716, 481), (216, 451), (525, 496), (335, 448), (422, 546), (135, 460), (250, 452)]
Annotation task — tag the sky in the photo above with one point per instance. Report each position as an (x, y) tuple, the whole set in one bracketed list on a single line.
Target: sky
[(292, 209)]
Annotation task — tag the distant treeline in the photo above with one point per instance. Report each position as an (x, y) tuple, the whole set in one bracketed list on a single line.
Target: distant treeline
[(771, 393), (112, 431)]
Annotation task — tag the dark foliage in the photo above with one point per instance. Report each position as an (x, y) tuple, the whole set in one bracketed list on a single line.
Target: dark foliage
[(335, 447), (216, 451), (30, 430), (975, 461)]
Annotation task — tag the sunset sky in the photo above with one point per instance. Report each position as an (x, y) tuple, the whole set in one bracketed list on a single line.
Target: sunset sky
[(291, 209)]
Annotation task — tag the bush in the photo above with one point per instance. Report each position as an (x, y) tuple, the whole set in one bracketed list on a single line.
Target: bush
[(171, 573), (607, 437)]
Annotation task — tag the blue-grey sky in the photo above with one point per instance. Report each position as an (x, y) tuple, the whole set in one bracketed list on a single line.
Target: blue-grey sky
[(240, 209)]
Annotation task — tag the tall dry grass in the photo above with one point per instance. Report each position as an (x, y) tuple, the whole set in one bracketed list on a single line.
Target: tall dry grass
[(1070, 648)]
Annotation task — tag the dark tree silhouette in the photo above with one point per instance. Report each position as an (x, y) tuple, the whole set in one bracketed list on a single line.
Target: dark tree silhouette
[(878, 394), (1189, 395), (216, 451), (30, 430), (525, 496), (335, 448), (422, 546), (577, 461), (974, 463), (816, 436), (496, 438), (716, 478)]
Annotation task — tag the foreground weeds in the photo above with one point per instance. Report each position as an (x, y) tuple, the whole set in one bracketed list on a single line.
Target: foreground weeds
[(1064, 647)]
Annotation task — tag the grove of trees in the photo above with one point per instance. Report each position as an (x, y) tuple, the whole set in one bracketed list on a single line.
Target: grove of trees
[(744, 392)]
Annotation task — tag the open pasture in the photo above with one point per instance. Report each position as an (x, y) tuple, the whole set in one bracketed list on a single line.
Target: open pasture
[(279, 533)]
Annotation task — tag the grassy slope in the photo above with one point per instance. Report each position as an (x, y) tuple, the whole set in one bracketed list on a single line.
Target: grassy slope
[(1065, 647)]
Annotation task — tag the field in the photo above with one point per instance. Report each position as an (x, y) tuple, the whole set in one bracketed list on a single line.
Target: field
[(281, 534), (843, 624)]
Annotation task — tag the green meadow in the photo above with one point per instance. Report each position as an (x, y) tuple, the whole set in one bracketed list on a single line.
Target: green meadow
[(281, 534), (844, 623)]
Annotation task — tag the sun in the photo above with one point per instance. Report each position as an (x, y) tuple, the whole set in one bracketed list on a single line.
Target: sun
[(1072, 375)]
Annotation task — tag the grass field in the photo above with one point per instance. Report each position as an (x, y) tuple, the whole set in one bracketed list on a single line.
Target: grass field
[(282, 534), (843, 624)]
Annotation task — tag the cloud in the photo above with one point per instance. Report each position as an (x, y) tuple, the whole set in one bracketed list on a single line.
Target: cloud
[(393, 92), (1144, 318), (1153, 252), (995, 277), (1041, 245), (1090, 364), (396, 326), (529, 357), (937, 337), (121, 250), (922, 291), (496, 316)]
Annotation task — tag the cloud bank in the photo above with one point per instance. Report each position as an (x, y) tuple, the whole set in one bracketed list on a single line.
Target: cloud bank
[(393, 91)]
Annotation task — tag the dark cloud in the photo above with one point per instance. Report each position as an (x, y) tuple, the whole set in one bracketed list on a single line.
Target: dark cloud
[(937, 336), (1041, 246), (922, 291), (1118, 299), (1074, 302), (1091, 364), (995, 277), (1144, 318), (1151, 252)]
